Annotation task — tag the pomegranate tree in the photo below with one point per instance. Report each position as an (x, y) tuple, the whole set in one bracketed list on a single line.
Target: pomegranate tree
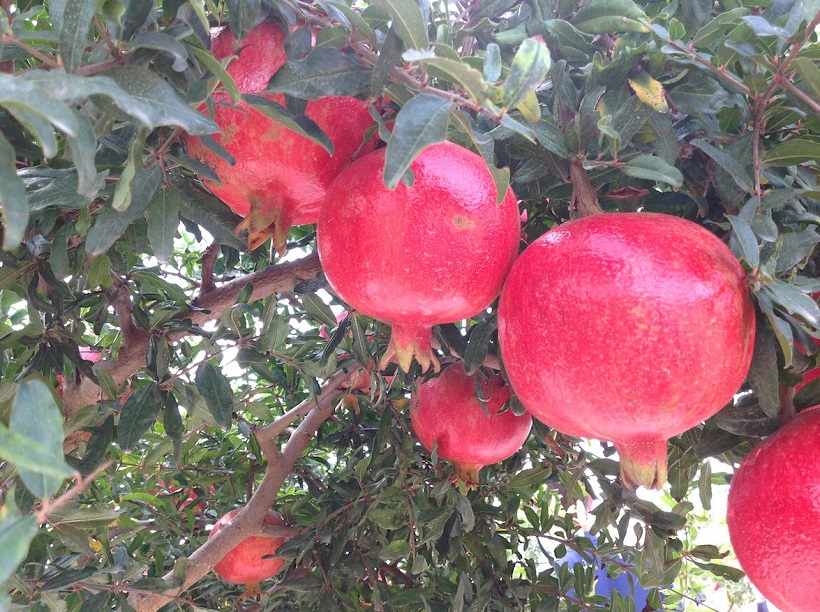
[(436, 252), (627, 327), (279, 177), (774, 515), (446, 412), (247, 562)]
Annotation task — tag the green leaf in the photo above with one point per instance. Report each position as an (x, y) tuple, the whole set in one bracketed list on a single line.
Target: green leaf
[(477, 344), (18, 92), (420, 123), (138, 414), (209, 212), (724, 571), (16, 533), (762, 377), (389, 58), (215, 388), (318, 309), (13, 198), (748, 420), (492, 63), (158, 101), (465, 509), (214, 65), (300, 124), (604, 16), (459, 72), (653, 168), (529, 68), (408, 20), (747, 240), (761, 27), (163, 221), (34, 439), (727, 162), (809, 72), (324, 72), (83, 148), (397, 549), (794, 300), (793, 152), (242, 16), (76, 20), (164, 43), (796, 247), (530, 477)]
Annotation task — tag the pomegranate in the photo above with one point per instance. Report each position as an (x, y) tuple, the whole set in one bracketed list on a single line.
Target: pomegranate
[(446, 412), (627, 327), (774, 515), (87, 353), (809, 375), (280, 177), (244, 564), (417, 256)]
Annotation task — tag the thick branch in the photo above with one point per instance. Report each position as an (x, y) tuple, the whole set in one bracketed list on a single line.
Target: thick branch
[(247, 522), (584, 196), (131, 355)]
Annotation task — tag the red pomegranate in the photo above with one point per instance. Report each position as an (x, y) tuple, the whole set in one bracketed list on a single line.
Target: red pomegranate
[(87, 353), (417, 256), (280, 177), (627, 327), (446, 412), (774, 514), (245, 564)]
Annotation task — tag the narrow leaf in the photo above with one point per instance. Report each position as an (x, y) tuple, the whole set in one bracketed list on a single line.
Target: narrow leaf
[(727, 162), (408, 20), (163, 220), (300, 124), (529, 68), (604, 16), (215, 388), (324, 72), (420, 123), (76, 20), (13, 198), (762, 376), (16, 533), (477, 344), (653, 168), (747, 240), (793, 152), (138, 414)]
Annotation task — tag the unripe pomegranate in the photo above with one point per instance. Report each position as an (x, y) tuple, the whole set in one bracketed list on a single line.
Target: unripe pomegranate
[(280, 177), (774, 514), (245, 563), (436, 252), (445, 411), (627, 327)]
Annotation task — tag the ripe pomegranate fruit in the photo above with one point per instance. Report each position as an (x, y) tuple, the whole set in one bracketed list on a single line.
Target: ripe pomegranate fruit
[(417, 256), (244, 564), (627, 327), (774, 516), (280, 177), (446, 412)]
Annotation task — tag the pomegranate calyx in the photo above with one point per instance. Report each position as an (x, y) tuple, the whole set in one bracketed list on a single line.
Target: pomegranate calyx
[(265, 221), (643, 463), (468, 474), (408, 342), (252, 591)]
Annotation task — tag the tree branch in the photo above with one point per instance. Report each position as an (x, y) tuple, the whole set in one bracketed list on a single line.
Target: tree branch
[(584, 195), (249, 520), (791, 87), (131, 356)]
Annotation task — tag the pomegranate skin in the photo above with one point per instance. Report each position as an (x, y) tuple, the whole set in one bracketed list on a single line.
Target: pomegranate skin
[(445, 411), (774, 514), (627, 327), (436, 252), (279, 178), (244, 563)]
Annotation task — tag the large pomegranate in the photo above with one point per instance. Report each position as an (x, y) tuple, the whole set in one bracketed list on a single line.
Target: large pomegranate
[(446, 412), (436, 252), (280, 177), (628, 327), (774, 514), (245, 563)]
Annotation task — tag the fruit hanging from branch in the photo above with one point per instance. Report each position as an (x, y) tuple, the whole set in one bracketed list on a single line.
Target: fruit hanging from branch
[(434, 252), (279, 177), (250, 561), (627, 327), (445, 412), (774, 515)]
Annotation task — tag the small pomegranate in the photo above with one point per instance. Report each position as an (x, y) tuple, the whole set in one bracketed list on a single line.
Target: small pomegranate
[(445, 411), (280, 177), (436, 252), (627, 327), (774, 514), (245, 563)]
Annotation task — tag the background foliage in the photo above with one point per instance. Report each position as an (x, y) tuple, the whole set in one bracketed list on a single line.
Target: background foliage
[(699, 109)]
